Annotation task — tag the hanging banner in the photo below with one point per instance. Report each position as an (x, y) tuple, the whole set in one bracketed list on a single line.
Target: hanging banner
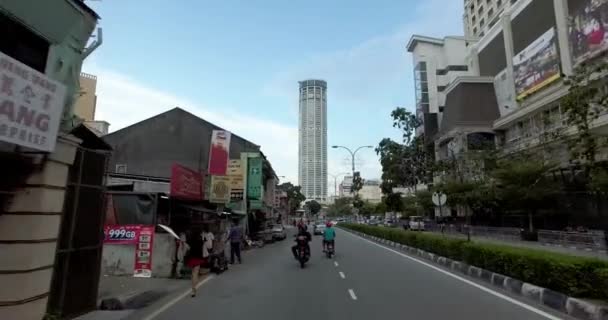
[(31, 106), (588, 33), (505, 95), (186, 183), (235, 172), (219, 153), (254, 178), (220, 189), (537, 65), (143, 252)]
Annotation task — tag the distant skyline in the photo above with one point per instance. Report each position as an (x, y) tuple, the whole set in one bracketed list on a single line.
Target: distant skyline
[(237, 64)]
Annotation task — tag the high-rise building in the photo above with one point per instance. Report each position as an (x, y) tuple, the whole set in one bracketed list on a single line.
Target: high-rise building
[(312, 153), (86, 104)]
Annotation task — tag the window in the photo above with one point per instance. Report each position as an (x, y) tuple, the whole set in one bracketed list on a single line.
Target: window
[(22, 44), (490, 12), (121, 168), (482, 22)]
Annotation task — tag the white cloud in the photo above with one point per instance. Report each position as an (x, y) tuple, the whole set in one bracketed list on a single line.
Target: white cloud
[(123, 101), (356, 76)]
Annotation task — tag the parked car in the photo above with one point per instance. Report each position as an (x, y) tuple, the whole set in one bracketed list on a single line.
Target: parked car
[(278, 232), (319, 229), (416, 223)]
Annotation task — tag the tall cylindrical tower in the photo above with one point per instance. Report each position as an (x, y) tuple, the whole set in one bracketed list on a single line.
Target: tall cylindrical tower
[(312, 154)]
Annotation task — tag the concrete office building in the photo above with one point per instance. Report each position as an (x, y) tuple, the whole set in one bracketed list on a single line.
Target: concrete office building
[(481, 15), (436, 63), (86, 104), (312, 153), (531, 32)]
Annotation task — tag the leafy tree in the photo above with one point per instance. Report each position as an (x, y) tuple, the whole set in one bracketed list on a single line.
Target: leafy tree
[(586, 100), (405, 164), (524, 184), (367, 209), (313, 206), (294, 195), (393, 202), (425, 200), (340, 207), (380, 208)]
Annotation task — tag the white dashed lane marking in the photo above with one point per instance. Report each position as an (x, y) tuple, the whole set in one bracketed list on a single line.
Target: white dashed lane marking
[(352, 294), (342, 275)]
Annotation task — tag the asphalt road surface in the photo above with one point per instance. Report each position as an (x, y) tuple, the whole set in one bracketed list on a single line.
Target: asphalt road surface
[(364, 281)]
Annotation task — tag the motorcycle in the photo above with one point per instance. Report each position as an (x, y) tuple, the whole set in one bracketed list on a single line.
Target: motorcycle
[(303, 250), (329, 250)]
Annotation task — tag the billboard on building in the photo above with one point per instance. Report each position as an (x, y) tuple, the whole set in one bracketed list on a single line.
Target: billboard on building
[(505, 93), (31, 106), (537, 65), (220, 189), (237, 179), (588, 28), (186, 183), (219, 153), (254, 178)]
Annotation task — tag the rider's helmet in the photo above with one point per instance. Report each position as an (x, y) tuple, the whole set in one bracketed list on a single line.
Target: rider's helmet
[(328, 224)]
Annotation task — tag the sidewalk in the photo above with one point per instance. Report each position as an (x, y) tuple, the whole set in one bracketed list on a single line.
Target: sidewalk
[(531, 245), (121, 296)]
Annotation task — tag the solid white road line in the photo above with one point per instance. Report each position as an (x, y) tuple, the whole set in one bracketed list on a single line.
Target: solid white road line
[(336, 263), (352, 294), (342, 275), (469, 282), (175, 300)]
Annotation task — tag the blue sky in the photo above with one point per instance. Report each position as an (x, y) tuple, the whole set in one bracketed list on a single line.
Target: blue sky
[(237, 63)]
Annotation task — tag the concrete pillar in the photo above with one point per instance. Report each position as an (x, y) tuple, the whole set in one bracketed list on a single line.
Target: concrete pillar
[(507, 33), (561, 19), (29, 229)]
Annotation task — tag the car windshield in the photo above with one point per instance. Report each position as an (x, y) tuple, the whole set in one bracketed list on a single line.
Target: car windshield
[(467, 138)]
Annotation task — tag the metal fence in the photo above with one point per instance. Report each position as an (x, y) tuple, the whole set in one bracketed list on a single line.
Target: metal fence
[(592, 239)]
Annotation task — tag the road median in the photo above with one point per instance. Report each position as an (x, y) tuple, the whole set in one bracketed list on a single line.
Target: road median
[(565, 283)]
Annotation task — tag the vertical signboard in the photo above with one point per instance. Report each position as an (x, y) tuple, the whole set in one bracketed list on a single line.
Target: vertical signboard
[(219, 153), (31, 106), (186, 183), (237, 179), (220, 189), (143, 252), (588, 28), (254, 178), (537, 65)]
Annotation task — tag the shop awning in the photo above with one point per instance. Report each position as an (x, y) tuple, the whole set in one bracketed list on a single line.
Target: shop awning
[(199, 208)]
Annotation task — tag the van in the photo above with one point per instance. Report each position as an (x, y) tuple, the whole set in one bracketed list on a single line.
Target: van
[(416, 223)]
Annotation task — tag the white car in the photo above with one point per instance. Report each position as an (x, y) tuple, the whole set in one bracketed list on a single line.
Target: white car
[(416, 223), (278, 232), (319, 229)]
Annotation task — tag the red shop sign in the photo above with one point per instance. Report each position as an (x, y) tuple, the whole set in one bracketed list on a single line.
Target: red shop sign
[(186, 183)]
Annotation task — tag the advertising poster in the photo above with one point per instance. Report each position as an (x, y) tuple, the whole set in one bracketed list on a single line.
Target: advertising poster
[(537, 65), (237, 180), (220, 189), (505, 94), (254, 179), (31, 106), (588, 26), (219, 153), (186, 183), (121, 234), (143, 252)]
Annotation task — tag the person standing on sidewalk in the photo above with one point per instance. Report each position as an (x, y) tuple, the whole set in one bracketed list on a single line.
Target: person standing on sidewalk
[(236, 238), (194, 257)]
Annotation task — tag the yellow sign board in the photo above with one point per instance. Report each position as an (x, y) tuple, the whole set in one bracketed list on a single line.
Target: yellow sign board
[(220, 189)]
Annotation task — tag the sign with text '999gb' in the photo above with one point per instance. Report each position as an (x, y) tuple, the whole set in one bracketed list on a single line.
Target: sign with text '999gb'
[(31, 105)]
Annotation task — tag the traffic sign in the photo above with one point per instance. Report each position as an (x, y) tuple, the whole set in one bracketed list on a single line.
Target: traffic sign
[(439, 198)]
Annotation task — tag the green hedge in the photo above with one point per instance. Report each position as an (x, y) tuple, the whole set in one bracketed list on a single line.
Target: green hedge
[(573, 276)]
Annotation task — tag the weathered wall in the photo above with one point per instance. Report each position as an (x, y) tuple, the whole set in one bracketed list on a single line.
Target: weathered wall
[(29, 229), (119, 259)]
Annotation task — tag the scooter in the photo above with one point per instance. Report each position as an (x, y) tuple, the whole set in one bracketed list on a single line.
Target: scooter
[(303, 250), (329, 249)]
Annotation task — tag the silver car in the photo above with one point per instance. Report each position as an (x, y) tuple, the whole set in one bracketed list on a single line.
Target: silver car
[(278, 232)]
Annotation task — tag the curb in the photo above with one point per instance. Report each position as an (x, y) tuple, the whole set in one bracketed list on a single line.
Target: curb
[(133, 300), (577, 308)]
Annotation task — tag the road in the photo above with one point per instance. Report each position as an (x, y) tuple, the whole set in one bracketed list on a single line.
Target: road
[(364, 281)]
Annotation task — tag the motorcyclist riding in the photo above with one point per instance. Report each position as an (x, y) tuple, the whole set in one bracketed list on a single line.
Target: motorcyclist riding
[(329, 236), (301, 232)]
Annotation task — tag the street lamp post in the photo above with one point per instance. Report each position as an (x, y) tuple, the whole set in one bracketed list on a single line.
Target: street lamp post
[(352, 154)]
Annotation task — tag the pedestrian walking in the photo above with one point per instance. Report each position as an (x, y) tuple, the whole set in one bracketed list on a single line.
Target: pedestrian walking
[(194, 257), (236, 238), (208, 239), (181, 254)]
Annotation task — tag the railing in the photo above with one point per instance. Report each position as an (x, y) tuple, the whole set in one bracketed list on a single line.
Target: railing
[(589, 240), (592, 239)]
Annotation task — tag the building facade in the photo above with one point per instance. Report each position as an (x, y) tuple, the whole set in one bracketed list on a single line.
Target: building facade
[(436, 63), (312, 153), (86, 105), (371, 191), (481, 15)]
